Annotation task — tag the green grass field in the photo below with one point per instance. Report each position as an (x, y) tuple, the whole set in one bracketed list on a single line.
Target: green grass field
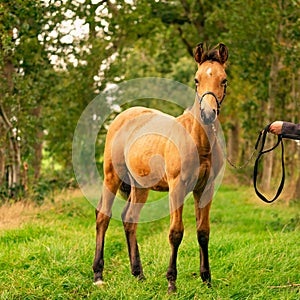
[(254, 253)]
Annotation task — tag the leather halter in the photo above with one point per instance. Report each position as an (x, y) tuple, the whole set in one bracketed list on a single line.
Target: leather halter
[(200, 98)]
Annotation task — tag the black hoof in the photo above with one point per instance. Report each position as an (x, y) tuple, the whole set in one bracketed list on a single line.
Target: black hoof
[(141, 277), (206, 278), (207, 283)]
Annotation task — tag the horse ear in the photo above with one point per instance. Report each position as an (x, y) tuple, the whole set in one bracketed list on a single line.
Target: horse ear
[(223, 53), (198, 53)]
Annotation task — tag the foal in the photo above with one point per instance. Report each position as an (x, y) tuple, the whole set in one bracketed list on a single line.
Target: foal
[(146, 149)]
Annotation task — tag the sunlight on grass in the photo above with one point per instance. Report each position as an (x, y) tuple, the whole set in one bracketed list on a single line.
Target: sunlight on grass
[(253, 248)]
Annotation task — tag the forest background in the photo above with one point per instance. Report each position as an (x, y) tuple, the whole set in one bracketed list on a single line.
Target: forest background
[(57, 56)]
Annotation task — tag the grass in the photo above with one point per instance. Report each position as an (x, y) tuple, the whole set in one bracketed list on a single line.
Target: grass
[(254, 253)]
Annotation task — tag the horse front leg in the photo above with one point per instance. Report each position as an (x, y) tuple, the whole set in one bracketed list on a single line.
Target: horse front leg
[(203, 230), (130, 217)]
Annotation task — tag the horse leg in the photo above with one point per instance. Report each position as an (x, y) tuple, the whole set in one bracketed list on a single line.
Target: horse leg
[(103, 215), (203, 229), (175, 237), (130, 217)]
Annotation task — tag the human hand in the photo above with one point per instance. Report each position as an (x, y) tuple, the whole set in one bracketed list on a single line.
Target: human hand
[(276, 127)]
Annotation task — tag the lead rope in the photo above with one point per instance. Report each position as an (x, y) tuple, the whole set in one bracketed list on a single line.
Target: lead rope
[(261, 152), (245, 164), (263, 136)]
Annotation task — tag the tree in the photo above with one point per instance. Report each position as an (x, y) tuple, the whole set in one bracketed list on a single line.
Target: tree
[(50, 71), (263, 59), (26, 78)]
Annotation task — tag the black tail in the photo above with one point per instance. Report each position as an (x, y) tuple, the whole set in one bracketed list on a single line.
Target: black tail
[(125, 190)]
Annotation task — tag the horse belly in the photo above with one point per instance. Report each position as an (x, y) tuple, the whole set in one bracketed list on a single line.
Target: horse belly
[(146, 163)]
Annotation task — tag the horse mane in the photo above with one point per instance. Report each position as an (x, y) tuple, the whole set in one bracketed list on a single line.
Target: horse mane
[(201, 55), (211, 55)]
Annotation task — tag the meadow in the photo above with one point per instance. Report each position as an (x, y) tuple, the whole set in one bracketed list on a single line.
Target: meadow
[(47, 253)]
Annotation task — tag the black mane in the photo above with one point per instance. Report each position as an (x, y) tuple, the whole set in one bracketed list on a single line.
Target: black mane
[(211, 55), (218, 53)]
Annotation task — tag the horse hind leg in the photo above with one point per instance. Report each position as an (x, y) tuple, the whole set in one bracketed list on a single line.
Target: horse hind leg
[(175, 234), (103, 215), (130, 217)]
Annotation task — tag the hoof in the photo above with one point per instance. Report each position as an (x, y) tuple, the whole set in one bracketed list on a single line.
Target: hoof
[(141, 277), (205, 276), (172, 287), (99, 282)]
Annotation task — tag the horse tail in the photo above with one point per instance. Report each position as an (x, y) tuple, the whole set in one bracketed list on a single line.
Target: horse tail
[(125, 191), (125, 188)]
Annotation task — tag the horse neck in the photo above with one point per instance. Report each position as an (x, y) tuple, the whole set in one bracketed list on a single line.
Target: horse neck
[(198, 131), (195, 109)]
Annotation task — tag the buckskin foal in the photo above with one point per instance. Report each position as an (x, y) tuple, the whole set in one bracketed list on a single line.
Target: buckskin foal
[(148, 150)]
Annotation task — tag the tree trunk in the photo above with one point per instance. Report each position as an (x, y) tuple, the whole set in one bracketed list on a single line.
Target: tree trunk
[(296, 194), (295, 93), (276, 65), (38, 146), (233, 142), (2, 166), (14, 153)]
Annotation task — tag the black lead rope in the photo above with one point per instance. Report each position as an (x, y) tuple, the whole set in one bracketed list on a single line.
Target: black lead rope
[(262, 136)]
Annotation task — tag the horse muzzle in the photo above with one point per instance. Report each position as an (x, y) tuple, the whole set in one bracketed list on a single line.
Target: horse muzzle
[(208, 113), (208, 116)]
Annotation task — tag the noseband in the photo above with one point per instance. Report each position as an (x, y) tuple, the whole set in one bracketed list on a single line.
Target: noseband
[(200, 98)]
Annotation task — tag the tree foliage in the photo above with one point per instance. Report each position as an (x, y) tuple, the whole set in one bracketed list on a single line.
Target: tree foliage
[(56, 56)]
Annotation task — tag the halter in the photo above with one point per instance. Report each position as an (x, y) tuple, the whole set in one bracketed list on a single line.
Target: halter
[(200, 98)]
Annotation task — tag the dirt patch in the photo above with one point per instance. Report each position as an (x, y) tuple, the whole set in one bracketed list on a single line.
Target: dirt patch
[(16, 214)]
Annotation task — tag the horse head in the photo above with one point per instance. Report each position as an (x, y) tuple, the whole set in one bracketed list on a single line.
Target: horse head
[(210, 80)]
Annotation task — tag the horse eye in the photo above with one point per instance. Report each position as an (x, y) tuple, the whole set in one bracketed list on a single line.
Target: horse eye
[(224, 82)]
